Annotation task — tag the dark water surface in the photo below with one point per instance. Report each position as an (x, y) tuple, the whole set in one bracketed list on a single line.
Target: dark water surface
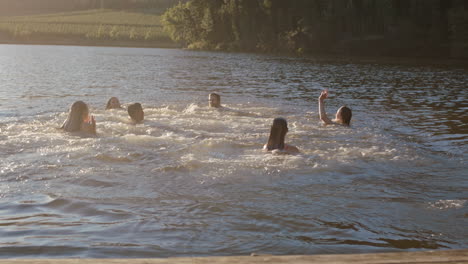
[(193, 181)]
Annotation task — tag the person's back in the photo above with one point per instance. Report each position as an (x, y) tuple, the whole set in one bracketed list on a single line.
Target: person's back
[(79, 120), (276, 143), (135, 111)]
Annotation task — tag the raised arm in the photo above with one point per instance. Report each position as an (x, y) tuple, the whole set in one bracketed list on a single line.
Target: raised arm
[(323, 114)]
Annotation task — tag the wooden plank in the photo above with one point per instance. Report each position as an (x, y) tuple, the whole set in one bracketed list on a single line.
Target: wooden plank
[(431, 257)]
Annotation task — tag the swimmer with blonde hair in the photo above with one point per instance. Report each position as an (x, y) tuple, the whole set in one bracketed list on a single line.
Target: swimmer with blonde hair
[(214, 100), (277, 135), (135, 111), (79, 119), (343, 114), (113, 103)]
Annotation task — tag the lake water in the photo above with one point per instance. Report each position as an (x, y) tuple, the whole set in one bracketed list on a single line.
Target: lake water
[(193, 181)]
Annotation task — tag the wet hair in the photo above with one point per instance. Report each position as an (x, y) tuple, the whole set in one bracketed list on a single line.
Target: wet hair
[(345, 115), (218, 98), (75, 117), (132, 111), (277, 134), (109, 106)]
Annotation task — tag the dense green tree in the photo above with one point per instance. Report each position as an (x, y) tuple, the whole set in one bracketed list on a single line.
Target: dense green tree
[(379, 27), (352, 26)]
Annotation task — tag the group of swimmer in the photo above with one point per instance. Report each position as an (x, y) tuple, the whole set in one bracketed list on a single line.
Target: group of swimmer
[(79, 120)]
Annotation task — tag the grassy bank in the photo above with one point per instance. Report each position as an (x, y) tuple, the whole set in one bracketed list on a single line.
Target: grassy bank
[(92, 27)]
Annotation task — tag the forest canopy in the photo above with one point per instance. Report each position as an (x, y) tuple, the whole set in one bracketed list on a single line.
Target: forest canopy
[(378, 27)]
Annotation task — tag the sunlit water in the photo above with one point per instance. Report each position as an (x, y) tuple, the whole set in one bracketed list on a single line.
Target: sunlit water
[(193, 181)]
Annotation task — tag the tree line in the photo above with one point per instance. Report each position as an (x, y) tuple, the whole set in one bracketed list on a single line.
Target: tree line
[(370, 27)]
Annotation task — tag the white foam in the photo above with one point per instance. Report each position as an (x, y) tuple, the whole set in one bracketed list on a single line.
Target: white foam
[(192, 108), (448, 204), (202, 140)]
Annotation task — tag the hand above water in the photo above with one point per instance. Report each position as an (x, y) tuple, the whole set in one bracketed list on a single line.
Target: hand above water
[(323, 95)]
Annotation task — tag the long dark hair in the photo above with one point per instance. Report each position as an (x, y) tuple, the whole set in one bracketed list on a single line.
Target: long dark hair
[(132, 111), (75, 117), (277, 134), (345, 115)]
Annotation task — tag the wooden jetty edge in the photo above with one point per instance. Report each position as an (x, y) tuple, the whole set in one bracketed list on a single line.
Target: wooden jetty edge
[(432, 257)]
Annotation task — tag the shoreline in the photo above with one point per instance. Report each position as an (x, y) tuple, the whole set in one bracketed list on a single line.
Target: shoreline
[(167, 44), (93, 43)]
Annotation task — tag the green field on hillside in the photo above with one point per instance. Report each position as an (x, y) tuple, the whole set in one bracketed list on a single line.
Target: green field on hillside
[(109, 25)]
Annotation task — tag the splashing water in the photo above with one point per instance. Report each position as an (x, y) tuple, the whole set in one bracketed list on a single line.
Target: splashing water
[(193, 180)]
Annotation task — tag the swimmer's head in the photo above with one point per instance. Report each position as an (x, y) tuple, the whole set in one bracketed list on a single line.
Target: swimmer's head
[(113, 103), (81, 108), (135, 111), (214, 100), (78, 113), (343, 115), (278, 131)]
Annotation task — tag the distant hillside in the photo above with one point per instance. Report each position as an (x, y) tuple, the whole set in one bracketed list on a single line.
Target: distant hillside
[(101, 27), (32, 7)]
